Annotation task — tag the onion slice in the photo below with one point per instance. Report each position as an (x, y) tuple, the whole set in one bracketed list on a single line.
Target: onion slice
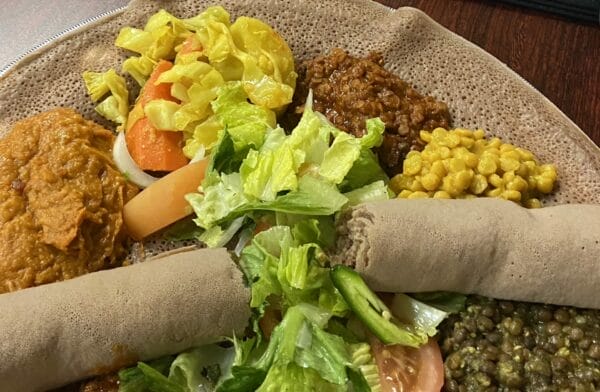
[(127, 165)]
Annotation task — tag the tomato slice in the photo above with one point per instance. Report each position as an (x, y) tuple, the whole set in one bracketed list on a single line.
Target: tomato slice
[(406, 369)]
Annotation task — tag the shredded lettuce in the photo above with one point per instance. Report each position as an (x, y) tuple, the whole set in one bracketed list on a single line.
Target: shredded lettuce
[(298, 174), (116, 106), (375, 191), (229, 108), (198, 369)]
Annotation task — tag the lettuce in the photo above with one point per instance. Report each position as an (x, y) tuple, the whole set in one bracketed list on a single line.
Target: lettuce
[(99, 84), (375, 191), (196, 369), (340, 157), (139, 68), (269, 77), (246, 123), (160, 113)]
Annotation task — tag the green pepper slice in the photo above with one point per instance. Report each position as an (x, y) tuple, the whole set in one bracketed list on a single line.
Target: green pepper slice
[(371, 310)]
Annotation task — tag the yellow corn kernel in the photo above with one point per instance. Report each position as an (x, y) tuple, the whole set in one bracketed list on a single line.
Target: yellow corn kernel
[(512, 154), (467, 141), (466, 196), (413, 153), (416, 186), (456, 165), (471, 160), (452, 140), (418, 195), (506, 147), (400, 182), (495, 142), (425, 136), (464, 132), (439, 133), (478, 184), (494, 192), (496, 180), (430, 155), (549, 170), (522, 171), (509, 164), (508, 176), (532, 182), (511, 195), (438, 169), (517, 184), (462, 180), (430, 181), (459, 151), (531, 166), (533, 203), (525, 154), (544, 184), (445, 152), (486, 165), (412, 164), (447, 184), (479, 134), (493, 151), (441, 195), (404, 194)]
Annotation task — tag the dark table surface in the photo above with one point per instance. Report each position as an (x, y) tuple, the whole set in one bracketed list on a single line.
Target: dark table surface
[(559, 57)]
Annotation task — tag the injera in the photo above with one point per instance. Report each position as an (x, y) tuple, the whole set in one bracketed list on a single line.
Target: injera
[(480, 91)]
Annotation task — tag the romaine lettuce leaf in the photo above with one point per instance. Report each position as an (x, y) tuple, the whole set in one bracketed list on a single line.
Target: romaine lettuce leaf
[(375, 191), (219, 200), (365, 170), (340, 157), (374, 136)]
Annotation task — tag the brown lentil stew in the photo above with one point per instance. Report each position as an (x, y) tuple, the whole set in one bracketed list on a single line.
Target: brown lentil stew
[(350, 90), (512, 346)]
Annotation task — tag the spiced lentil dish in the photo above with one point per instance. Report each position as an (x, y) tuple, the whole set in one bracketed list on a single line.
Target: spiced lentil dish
[(61, 201), (514, 346), (349, 90)]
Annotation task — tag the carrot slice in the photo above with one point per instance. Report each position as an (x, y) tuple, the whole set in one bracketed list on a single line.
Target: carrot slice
[(150, 148), (152, 90), (155, 150), (191, 44), (163, 202)]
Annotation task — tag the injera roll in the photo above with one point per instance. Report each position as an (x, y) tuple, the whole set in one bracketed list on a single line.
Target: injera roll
[(484, 246), (58, 333)]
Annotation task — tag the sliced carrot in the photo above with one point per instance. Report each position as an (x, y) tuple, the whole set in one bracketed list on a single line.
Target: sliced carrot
[(163, 202), (152, 90), (155, 150), (150, 148), (191, 44)]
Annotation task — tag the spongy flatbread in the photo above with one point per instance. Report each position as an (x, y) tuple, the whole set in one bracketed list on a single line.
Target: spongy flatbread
[(106, 320), (480, 90), (485, 246)]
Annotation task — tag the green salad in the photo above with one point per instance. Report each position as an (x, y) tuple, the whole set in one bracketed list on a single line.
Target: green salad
[(211, 90), (312, 322)]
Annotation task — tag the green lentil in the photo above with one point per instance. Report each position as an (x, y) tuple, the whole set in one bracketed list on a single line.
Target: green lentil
[(501, 346)]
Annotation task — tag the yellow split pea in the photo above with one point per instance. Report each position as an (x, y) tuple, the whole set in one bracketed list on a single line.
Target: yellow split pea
[(462, 164)]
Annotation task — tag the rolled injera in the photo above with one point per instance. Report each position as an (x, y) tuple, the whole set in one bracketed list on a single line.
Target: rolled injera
[(58, 333), (484, 246)]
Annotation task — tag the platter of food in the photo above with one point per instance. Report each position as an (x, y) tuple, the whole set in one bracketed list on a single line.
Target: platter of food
[(262, 195)]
